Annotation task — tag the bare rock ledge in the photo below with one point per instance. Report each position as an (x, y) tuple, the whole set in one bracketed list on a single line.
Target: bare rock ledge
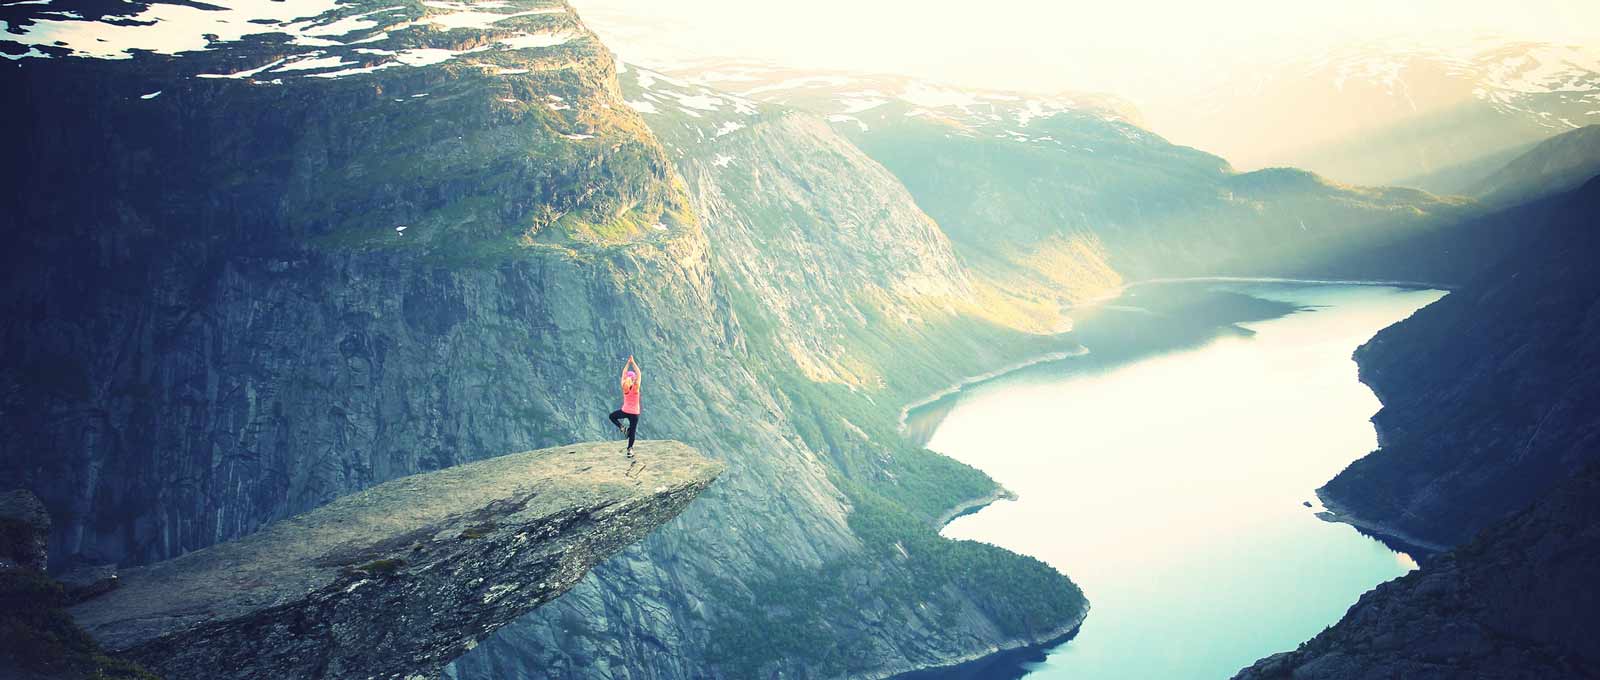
[(397, 580)]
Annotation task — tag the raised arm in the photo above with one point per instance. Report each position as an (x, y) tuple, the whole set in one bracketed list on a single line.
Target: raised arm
[(637, 373)]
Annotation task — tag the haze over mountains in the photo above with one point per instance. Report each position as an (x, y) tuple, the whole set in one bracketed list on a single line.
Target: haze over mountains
[(1386, 113), (1432, 108)]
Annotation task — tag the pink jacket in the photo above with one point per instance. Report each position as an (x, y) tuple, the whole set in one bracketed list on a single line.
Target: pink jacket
[(630, 397)]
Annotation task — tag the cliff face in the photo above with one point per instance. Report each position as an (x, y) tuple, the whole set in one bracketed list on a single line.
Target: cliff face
[(395, 581), (218, 323), (1517, 602), (230, 329), (1489, 394), (851, 302)]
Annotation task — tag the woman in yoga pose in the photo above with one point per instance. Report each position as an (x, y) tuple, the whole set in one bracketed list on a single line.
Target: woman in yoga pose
[(630, 403)]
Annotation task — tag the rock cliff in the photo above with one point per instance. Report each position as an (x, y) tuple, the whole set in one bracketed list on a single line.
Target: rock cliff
[(851, 302), (397, 580), (1488, 406), (1489, 394), (223, 325)]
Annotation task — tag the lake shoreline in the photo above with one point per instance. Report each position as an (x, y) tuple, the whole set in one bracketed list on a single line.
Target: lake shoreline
[(973, 505), (984, 665), (1395, 539), (905, 411), (1052, 638)]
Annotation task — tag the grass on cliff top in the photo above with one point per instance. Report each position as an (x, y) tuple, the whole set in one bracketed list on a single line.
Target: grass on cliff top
[(42, 639), (475, 179)]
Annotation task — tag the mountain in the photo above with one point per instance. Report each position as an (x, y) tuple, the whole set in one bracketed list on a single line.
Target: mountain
[(1556, 165), (1030, 189), (1487, 458), (331, 245), (1390, 112), (851, 303), (257, 272), (1487, 395), (1516, 602)]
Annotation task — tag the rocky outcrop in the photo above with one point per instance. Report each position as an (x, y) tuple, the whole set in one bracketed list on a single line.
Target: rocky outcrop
[(1516, 603), (397, 580)]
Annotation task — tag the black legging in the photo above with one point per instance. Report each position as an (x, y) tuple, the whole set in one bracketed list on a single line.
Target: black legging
[(633, 424)]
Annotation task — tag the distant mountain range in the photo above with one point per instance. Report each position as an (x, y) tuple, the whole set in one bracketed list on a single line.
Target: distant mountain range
[(1388, 113), (1061, 189)]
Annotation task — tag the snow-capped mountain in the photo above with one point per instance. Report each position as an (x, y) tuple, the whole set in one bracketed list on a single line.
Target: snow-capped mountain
[(1381, 113), (856, 99)]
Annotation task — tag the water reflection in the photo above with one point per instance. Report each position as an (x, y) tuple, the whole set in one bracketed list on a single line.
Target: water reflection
[(1167, 472)]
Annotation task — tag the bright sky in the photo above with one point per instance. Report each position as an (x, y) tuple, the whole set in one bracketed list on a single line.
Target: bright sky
[(1140, 49)]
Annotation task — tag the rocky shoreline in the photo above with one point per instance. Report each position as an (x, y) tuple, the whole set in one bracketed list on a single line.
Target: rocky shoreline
[(959, 385), (1394, 538), (1051, 639)]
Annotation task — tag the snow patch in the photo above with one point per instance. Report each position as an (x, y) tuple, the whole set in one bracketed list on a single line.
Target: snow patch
[(534, 40), (794, 83), (933, 96), (860, 105), (699, 101), (643, 107), (481, 20), (722, 160), (460, 6), (355, 71), (151, 95), (240, 75), (313, 64), (428, 56), (32, 52), (729, 127), (172, 29)]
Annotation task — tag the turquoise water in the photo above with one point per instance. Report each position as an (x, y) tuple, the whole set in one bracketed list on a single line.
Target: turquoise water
[(1171, 487)]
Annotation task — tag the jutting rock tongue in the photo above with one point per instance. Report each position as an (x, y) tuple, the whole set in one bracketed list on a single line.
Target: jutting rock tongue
[(397, 580)]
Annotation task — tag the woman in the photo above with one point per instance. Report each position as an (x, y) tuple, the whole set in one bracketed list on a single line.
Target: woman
[(630, 402)]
